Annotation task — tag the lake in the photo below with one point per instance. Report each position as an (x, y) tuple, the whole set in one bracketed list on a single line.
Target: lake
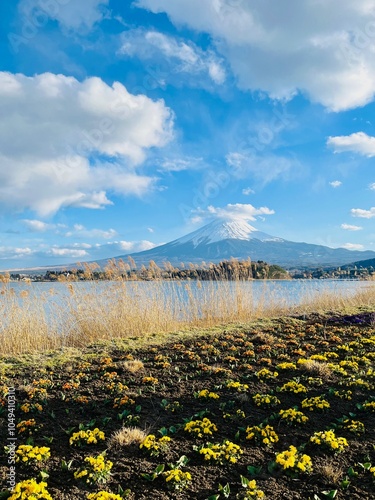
[(76, 313)]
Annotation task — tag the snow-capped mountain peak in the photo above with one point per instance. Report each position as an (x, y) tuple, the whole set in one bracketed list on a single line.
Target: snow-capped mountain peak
[(219, 230)]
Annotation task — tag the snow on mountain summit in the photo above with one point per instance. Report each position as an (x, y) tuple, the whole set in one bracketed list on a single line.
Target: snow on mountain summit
[(220, 230)]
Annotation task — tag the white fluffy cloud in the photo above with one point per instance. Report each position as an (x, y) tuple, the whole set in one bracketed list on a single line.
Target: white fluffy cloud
[(56, 126), (243, 211), (178, 56), (37, 226), (135, 246), (351, 227), (364, 214), (70, 14), (353, 246), (13, 253), (322, 49), (67, 252), (358, 142), (335, 184)]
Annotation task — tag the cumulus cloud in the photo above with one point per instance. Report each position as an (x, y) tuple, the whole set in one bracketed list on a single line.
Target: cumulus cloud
[(135, 246), (324, 50), (353, 246), (67, 252), (364, 214), (178, 56), (335, 184), (248, 191), (71, 15), (37, 226), (56, 130), (350, 227), (231, 211), (358, 142), (13, 253), (372, 186)]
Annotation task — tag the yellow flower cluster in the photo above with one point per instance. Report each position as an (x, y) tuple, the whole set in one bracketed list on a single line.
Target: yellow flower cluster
[(37, 393), (103, 495), (28, 407), (252, 491), (343, 394), (200, 427), (26, 426), (234, 416), (329, 440), (369, 405), (265, 435), (150, 380), (177, 479), (30, 489), (227, 451), (29, 454), (206, 394), (293, 461), (97, 470), (237, 385), (293, 416), (86, 437), (266, 400), (42, 382), (286, 366), (155, 446), (293, 386), (318, 357), (83, 400), (116, 387), (354, 426), (123, 401), (316, 403), (266, 374)]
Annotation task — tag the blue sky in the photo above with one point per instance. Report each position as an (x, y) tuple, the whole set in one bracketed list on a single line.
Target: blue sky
[(126, 124)]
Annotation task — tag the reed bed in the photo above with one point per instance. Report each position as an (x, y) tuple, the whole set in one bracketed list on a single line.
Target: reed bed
[(75, 314)]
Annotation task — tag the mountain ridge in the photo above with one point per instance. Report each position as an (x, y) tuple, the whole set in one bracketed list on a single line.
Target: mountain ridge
[(225, 239)]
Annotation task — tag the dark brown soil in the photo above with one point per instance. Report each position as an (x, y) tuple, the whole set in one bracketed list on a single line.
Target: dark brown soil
[(184, 369)]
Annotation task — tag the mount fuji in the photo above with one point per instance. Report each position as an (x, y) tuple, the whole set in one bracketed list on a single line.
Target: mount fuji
[(223, 239)]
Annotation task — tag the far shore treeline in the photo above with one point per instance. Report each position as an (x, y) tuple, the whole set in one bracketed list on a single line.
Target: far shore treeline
[(231, 270)]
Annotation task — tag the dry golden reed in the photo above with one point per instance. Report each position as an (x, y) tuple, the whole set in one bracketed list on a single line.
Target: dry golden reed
[(75, 314)]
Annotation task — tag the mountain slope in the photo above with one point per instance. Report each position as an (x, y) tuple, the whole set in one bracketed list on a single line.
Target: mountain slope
[(222, 240)]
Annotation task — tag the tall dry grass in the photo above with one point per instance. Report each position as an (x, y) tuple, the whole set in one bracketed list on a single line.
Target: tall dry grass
[(75, 314)]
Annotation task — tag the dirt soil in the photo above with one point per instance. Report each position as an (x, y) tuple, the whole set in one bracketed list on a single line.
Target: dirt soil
[(161, 394)]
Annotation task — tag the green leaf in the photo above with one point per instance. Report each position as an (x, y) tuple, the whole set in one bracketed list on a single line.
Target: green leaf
[(366, 465), (244, 481), (345, 483), (159, 469), (225, 490), (214, 497), (352, 472), (43, 475), (330, 494), (253, 471)]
